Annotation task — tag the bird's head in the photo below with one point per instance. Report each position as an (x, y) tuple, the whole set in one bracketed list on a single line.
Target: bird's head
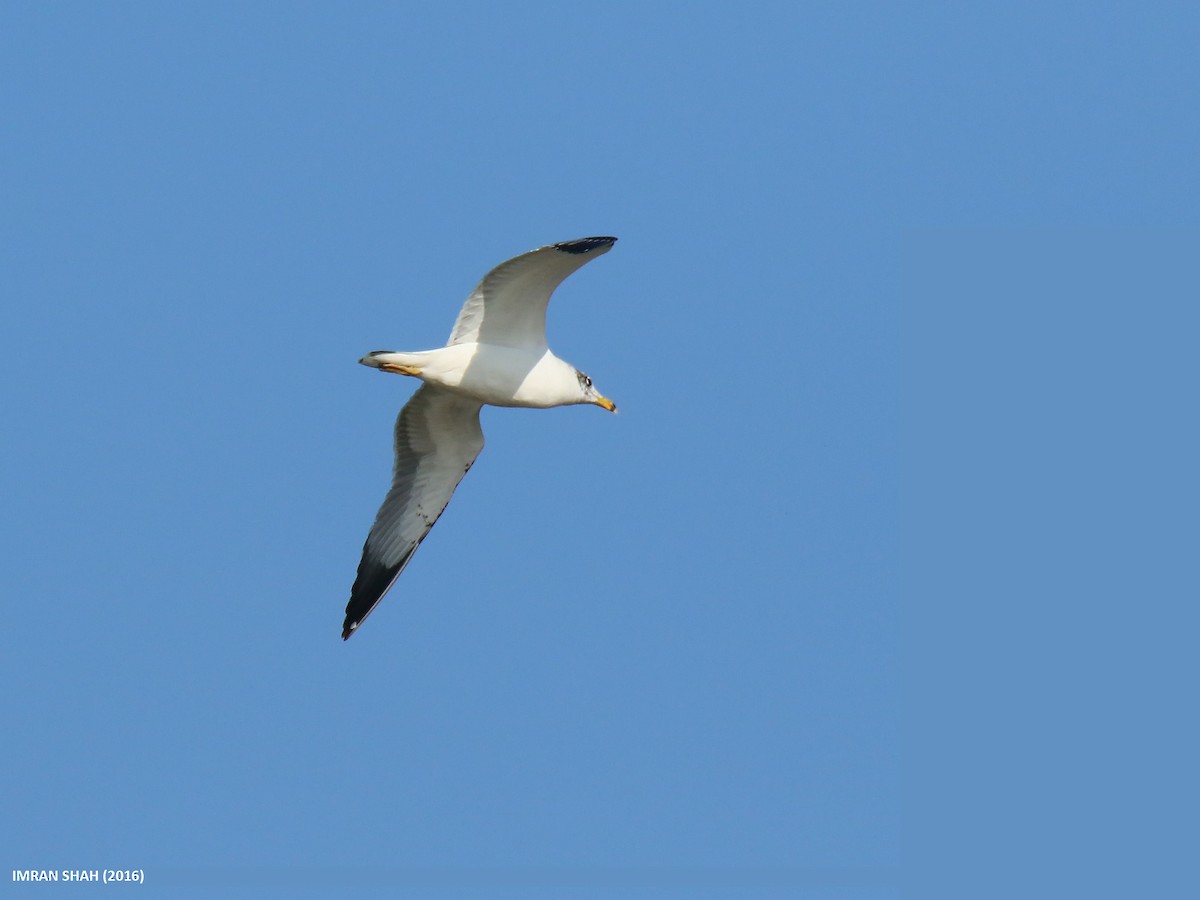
[(591, 395)]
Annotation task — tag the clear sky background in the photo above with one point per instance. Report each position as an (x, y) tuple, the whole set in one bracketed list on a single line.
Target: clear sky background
[(644, 655)]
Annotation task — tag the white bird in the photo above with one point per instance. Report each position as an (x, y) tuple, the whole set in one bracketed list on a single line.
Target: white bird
[(496, 354)]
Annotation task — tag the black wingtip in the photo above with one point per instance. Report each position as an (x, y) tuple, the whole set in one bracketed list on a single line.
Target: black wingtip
[(373, 581), (585, 245)]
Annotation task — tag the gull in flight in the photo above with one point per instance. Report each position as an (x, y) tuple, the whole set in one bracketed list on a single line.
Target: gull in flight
[(496, 354)]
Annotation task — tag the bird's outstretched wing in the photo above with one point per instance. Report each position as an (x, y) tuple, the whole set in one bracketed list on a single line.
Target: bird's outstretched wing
[(509, 306), (437, 439)]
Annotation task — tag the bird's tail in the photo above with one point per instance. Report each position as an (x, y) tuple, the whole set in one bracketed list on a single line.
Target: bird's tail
[(377, 359)]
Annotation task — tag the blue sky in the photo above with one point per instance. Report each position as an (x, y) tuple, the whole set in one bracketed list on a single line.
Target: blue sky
[(651, 654)]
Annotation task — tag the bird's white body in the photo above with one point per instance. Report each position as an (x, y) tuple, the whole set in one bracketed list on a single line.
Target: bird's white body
[(492, 374)]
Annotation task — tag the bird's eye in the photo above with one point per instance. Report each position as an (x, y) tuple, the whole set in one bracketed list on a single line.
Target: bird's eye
[(587, 382)]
